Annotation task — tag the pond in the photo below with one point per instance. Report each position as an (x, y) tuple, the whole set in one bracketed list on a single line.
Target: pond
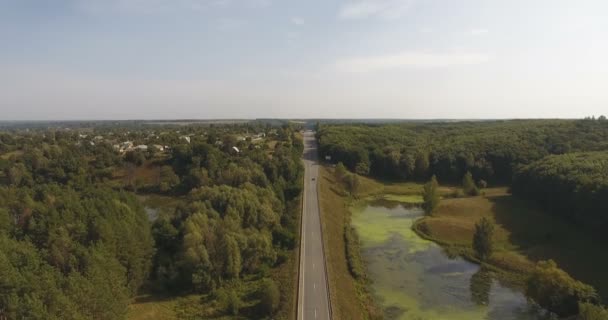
[(412, 278)]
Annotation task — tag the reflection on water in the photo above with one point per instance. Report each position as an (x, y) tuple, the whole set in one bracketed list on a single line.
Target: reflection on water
[(412, 278)]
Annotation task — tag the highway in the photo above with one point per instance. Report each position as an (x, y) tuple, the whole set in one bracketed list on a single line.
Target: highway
[(313, 295)]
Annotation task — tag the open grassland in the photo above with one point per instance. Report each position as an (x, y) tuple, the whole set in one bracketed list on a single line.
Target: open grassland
[(523, 235)]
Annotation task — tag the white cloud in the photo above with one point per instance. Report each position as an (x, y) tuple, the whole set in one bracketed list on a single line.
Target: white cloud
[(384, 9), (297, 21), (479, 31), (409, 59)]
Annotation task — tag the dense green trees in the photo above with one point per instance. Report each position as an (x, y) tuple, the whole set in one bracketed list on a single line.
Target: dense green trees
[(574, 186), (483, 243), (490, 150), (430, 196), (76, 243), (554, 289), (67, 254)]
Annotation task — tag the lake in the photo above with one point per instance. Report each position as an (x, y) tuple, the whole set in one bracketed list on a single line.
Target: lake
[(412, 278)]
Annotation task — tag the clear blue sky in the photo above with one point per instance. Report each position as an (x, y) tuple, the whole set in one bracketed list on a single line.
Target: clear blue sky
[(121, 59)]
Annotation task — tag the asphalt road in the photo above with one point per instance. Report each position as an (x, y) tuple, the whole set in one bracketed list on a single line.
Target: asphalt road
[(313, 297)]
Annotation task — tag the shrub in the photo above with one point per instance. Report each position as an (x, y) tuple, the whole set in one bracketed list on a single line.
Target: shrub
[(353, 256)]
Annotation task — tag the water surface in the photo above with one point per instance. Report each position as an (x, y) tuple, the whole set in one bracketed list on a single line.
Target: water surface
[(413, 278)]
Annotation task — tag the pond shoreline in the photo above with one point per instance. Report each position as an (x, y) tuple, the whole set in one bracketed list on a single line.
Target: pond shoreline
[(512, 278), (504, 296)]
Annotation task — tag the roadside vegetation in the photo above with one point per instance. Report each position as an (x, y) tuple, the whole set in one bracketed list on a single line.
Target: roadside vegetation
[(149, 222)]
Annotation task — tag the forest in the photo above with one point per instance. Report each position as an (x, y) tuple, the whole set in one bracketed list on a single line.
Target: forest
[(77, 243), (490, 150), (573, 186)]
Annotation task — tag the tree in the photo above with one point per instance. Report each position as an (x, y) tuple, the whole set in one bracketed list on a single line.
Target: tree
[(482, 239), (431, 196), (362, 167), (233, 257), (340, 171), (352, 183), (589, 311), (422, 165), (135, 157), (468, 185), (234, 303), (270, 296), (553, 289), (168, 178)]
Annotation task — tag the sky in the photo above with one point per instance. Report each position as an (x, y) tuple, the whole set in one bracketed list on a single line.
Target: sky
[(205, 59)]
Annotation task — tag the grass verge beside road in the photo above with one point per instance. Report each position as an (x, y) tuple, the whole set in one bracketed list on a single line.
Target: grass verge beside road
[(349, 297), (349, 294)]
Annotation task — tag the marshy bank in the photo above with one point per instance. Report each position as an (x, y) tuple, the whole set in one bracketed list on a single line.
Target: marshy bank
[(414, 278)]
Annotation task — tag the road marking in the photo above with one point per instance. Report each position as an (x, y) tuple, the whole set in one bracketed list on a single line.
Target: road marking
[(313, 266), (314, 285), (315, 313)]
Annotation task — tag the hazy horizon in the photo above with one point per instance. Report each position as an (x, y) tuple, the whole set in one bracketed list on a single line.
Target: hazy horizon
[(338, 59)]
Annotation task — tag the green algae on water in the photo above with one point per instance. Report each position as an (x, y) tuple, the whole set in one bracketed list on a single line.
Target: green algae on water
[(412, 278)]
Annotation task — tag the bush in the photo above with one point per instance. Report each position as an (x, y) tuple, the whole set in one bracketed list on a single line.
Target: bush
[(353, 256)]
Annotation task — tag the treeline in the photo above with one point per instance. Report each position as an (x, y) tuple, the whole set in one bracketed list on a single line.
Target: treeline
[(573, 186), (76, 243), (490, 150)]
